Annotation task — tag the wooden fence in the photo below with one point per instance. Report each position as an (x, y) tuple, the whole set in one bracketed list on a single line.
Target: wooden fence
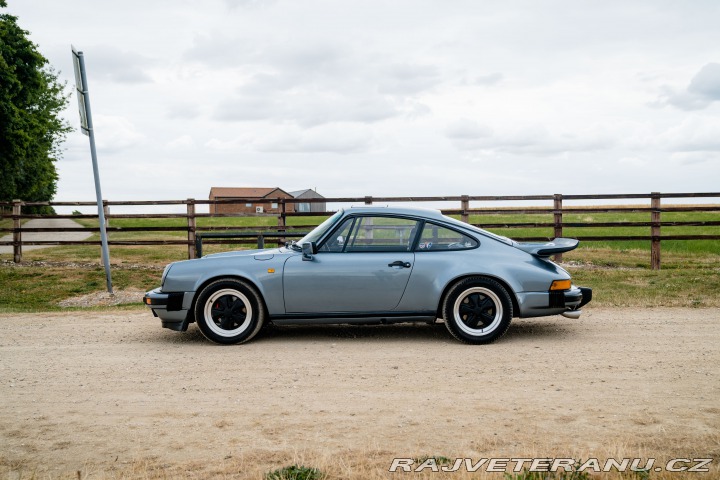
[(655, 209)]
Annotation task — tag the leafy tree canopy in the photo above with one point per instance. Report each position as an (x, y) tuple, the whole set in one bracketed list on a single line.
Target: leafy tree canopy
[(31, 130)]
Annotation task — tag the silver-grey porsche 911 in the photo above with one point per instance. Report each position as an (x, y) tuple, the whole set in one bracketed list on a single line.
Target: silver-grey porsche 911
[(372, 265)]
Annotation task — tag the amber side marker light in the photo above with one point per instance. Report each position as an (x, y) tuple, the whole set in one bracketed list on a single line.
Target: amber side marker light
[(561, 285)]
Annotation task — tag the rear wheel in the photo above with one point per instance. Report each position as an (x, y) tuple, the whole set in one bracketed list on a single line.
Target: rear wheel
[(477, 310), (229, 311)]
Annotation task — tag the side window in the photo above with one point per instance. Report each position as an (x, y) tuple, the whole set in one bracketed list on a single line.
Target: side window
[(435, 238), (338, 239), (382, 234)]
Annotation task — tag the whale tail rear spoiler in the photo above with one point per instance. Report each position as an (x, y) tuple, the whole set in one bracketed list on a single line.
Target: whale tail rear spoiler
[(558, 245)]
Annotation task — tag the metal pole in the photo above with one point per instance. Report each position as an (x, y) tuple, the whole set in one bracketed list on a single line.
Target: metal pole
[(96, 174)]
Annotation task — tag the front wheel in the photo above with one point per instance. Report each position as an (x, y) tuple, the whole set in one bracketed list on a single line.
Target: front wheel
[(477, 310), (229, 311)]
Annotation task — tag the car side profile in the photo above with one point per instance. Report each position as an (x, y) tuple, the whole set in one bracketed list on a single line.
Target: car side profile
[(372, 265)]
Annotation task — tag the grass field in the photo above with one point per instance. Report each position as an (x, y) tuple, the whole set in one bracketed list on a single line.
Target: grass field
[(618, 270)]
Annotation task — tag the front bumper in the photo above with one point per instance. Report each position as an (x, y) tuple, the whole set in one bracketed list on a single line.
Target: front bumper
[(172, 308)]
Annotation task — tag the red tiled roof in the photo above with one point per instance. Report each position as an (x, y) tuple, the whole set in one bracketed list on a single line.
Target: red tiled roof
[(251, 192)]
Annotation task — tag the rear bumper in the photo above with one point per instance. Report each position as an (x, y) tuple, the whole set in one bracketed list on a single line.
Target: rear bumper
[(573, 311), (172, 308), (540, 304), (587, 296), (573, 299)]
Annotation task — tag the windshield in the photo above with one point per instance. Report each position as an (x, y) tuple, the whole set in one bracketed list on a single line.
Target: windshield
[(320, 230)]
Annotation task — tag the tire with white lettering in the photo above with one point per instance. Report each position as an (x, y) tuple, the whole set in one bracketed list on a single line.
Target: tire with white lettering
[(229, 311), (477, 310)]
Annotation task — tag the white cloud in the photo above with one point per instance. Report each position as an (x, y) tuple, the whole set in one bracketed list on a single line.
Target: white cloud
[(408, 79), (524, 139), (485, 80), (183, 110), (118, 66), (696, 158), (180, 143), (114, 134), (633, 161), (232, 4), (341, 139), (694, 134), (445, 94), (464, 129), (703, 90), (307, 107), (232, 145)]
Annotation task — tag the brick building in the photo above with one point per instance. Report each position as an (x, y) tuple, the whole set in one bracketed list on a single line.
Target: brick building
[(252, 204)]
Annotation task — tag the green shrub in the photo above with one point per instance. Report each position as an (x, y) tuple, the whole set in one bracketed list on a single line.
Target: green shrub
[(560, 475), (295, 472)]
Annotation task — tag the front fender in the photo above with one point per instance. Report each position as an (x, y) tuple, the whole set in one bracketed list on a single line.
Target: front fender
[(265, 274)]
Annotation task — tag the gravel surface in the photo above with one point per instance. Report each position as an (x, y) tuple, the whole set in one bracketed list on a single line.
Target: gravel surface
[(105, 299), (106, 389), (49, 223)]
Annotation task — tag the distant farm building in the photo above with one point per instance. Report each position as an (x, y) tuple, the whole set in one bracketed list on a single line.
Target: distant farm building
[(253, 202), (309, 207)]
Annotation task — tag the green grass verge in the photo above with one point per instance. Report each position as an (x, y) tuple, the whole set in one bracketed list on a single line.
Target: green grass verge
[(37, 287), (618, 279), (617, 271)]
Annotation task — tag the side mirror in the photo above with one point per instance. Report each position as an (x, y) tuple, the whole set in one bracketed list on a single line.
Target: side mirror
[(308, 250)]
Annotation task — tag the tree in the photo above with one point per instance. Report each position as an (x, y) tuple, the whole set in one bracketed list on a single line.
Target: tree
[(31, 130)]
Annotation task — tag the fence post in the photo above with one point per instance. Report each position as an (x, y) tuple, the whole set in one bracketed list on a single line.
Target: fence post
[(655, 230), (282, 221), (464, 206), (17, 234), (192, 253), (106, 212), (557, 220)]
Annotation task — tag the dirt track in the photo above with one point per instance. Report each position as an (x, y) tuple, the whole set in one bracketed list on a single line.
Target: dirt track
[(104, 389), (51, 236)]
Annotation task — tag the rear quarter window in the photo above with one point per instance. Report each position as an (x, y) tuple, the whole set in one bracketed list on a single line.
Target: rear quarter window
[(436, 238)]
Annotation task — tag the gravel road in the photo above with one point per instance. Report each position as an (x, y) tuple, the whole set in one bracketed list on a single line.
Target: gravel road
[(99, 390), (49, 223)]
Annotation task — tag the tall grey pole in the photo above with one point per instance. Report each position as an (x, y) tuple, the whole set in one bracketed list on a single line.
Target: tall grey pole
[(96, 173)]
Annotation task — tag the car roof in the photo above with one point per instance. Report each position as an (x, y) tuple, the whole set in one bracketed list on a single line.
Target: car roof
[(426, 213), (414, 211)]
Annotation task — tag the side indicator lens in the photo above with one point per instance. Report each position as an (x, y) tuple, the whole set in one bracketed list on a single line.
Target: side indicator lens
[(561, 285), (271, 270)]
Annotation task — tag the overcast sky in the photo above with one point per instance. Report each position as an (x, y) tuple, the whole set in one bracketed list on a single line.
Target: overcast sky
[(422, 97)]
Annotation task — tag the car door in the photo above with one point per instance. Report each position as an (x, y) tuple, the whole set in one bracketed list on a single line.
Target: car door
[(363, 267)]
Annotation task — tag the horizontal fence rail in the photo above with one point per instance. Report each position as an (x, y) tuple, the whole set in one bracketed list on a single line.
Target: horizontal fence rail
[(258, 234)]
